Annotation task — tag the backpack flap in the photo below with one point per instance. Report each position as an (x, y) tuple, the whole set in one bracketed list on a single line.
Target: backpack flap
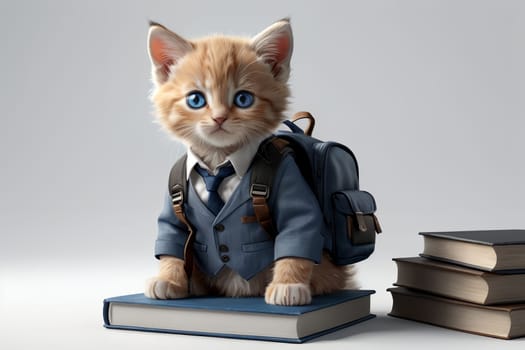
[(355, 225)]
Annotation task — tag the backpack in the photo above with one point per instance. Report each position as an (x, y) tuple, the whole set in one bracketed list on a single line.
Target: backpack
[(331, 171)]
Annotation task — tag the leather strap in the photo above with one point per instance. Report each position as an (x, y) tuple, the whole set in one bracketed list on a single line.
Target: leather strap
[(177, 189), (188, 246), (311, 121), (265, 166), (262, 213)]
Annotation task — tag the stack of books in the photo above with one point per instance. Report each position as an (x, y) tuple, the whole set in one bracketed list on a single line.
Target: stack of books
[(473, 281)]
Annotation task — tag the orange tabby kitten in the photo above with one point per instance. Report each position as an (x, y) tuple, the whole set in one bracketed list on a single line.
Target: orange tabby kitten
[(218, 68)]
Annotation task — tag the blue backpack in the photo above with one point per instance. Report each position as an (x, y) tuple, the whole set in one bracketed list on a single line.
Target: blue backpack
[(331, 171)]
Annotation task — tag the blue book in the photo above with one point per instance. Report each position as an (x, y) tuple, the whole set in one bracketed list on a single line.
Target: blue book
[(248, 317)]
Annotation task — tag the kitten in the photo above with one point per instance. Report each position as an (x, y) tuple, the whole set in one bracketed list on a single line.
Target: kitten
[(219, 69)]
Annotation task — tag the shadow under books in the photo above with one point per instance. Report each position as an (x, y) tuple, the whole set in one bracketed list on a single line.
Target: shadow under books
[(379, 324)]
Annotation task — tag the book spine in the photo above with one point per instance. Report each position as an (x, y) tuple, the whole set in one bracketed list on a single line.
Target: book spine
[(105, 312)]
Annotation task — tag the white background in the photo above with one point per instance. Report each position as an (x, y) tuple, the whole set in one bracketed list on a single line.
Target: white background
[(428, 94)]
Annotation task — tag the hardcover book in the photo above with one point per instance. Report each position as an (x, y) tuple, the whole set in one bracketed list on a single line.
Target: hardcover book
[(247, 317), (501, 251), (459, 282), (504, 321)]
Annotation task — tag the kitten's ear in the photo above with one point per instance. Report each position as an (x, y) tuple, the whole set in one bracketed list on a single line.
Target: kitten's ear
[(274, 46), (165, 50)]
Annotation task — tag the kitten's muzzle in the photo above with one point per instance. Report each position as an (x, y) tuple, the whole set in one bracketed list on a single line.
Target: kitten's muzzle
[(219, 120)]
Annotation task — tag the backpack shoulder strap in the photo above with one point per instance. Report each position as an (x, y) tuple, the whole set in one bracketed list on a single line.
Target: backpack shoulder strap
[(177, 187), (264, 167), (177, 180)]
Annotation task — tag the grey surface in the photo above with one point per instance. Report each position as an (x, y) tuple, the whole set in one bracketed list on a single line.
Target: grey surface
[(428, 94)]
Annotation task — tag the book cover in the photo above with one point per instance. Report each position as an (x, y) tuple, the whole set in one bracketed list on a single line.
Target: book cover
[(459, 282), (502, 321), (246, 317), (485, 237), (499, 251)]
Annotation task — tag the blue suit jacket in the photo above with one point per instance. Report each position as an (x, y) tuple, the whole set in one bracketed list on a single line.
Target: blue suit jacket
[(241, 244)]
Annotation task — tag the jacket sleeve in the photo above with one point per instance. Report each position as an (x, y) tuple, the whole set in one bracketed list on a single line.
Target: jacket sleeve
[(297, 215), (172, 233)]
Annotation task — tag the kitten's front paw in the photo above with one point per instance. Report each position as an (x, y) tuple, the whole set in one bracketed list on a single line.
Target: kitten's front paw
[(288, 294), (157, 288)]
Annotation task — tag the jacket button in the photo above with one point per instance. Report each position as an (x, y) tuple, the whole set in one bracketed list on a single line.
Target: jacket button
[(225, 258), (224, 248), (219, 227)]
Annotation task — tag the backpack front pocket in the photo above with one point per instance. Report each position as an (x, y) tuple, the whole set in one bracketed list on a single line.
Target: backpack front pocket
[(355, 225)]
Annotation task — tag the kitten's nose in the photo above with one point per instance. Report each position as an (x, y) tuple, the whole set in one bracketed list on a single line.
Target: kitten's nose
[(220, 119)]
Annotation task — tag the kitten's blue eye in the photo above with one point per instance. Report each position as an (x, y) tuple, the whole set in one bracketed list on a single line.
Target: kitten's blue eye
[(195, 100), (243, 99)]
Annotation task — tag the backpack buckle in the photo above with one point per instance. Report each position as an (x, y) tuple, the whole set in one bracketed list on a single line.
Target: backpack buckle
[(361, 221), (177, 195), (259, 190)]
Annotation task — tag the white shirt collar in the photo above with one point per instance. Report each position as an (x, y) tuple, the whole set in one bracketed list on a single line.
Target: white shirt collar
[(240, 159)]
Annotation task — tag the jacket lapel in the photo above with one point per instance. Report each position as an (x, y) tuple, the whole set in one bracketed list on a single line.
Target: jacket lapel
[(196, 203), (239, 197)]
